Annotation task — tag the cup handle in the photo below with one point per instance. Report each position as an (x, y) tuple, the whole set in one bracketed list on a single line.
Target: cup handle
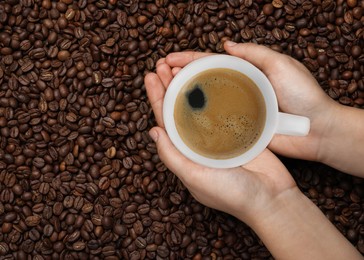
[(289, 124)]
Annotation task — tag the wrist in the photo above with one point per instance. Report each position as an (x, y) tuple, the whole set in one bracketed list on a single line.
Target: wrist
[(340, 142), (333, 116), (276, 207), (291, 224), (269, 206)]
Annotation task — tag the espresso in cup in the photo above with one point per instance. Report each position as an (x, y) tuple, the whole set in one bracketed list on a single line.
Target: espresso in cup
[(220, 113)]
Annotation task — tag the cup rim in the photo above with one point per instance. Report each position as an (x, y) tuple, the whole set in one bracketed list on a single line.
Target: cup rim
[(228, 62)]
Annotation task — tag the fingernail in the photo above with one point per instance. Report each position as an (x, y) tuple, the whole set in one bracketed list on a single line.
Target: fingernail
[(154, 134), (230, 43)]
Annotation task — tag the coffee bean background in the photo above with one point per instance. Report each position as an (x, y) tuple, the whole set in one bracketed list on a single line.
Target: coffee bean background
[(80, 177)]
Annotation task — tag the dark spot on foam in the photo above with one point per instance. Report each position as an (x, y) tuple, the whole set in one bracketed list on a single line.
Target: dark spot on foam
[(196, 98)]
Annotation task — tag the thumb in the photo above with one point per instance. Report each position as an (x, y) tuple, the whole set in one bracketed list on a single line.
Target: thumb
[(259, 55), (171, 157)]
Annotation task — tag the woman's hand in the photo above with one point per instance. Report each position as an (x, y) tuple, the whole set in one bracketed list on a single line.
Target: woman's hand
[(243, 191)]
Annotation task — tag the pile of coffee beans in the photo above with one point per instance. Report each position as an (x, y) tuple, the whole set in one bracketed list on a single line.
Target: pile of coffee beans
[(80, 178)]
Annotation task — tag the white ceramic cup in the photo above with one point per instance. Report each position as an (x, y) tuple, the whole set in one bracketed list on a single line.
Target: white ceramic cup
[(276, 122)]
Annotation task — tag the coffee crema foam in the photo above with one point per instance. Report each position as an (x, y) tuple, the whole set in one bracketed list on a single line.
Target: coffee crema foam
[(220, 113)]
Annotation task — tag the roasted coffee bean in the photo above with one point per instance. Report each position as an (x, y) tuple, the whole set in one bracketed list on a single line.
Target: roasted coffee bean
[(142, 124), (129, 218), (32, 221), (175, 198), (140, 242), (157, 227), (104, 183), (107, 82), (163, 251)]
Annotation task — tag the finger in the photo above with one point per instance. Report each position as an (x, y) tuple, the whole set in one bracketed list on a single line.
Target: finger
[(283, 146), (175, 70), (259, 55), (181, 59), (165, 74), (155, 91), (160, 61), (172, 158), (257, 163), (293, 147)]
